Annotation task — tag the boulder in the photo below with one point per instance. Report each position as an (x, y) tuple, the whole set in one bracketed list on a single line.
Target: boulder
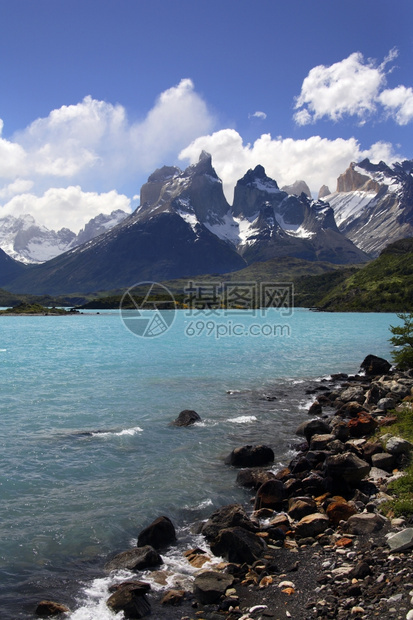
[(398, 445), (312, 525), (386, 403), (401, 540), (383, 460), (253, 478), (229, 516), (211, 585), (314, 484), (347, 467), (370, 448), (160, 533), (353, 394), (251, 456), (313, 427), (374, 394), (340, 430), (135, 559), (350, 409), (238, 545), (299, 507), (339, 510), (373, 365), (315, 409), (362, 424), (50, 608), (131, 600), (365, 523), (270, 495), (187, 417), (173, 597), (320, 442)]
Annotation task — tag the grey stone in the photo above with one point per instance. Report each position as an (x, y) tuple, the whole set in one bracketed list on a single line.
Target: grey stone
[(353, 394), (386, 403), (320, 442), (365, 523), (401, 540), (383, 460), (138, 558), (398, 445), (211, 585), (348, 467)]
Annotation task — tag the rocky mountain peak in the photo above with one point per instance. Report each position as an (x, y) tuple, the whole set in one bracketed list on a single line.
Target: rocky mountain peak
[(254, 189), (352, 180), (324, 191), (203, 167), (297, 188), (318, 215)]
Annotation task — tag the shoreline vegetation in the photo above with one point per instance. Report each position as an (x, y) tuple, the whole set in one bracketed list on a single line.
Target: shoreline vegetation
[(327, 536)]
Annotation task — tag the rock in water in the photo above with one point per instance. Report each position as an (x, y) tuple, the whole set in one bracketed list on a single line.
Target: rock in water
[(160, 533), (187, 417), (135, 559), (251, 456), (50, 608), (373, 365), (130, 599)]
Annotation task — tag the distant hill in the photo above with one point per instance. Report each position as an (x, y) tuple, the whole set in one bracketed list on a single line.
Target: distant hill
[(383, 285)]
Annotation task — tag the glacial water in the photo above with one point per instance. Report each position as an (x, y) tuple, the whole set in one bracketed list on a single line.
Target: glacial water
[(87, 454)]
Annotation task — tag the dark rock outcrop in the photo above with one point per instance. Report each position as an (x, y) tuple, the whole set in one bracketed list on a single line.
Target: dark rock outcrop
[(130, 598), (187, 417), (373, 365), (251, 456), (159, 534), (210, 586), (138, 558)]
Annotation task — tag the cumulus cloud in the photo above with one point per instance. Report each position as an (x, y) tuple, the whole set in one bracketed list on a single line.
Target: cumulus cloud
[(317, 160), (258, 114), (92, 144), (68, 207), (398, 103), (352, 87)]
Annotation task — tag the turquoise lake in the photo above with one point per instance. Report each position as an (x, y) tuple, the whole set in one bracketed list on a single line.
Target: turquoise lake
[(87, 454)]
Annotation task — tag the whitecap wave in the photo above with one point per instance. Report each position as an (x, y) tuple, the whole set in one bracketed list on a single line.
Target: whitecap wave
[(243, 419), (126, 431)]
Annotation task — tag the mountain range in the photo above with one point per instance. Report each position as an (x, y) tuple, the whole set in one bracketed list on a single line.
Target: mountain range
[(26, 241), (184, 227)]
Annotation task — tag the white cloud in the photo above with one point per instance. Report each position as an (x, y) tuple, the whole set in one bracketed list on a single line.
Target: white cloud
[(92, 144), (18, 186), (68, 207), (258, 114), (350, 86), (353, 87), (399, 103), (317, 160)]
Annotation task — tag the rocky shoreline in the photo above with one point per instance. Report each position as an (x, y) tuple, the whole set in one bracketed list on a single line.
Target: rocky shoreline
[(313, 543)]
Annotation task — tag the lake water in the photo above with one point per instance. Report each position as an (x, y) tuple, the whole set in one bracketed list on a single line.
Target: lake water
[(87, 454)]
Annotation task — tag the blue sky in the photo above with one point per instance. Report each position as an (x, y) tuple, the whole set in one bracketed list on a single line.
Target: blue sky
[(96, 94)]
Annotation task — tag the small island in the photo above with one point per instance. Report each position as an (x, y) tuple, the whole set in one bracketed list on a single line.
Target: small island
[(36, 310)]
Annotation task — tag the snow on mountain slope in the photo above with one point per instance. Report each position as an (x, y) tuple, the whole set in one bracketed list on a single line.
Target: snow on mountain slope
[(28, 242)]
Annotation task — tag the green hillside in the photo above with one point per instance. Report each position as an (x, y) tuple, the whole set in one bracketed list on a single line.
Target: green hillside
[(384, 285)]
